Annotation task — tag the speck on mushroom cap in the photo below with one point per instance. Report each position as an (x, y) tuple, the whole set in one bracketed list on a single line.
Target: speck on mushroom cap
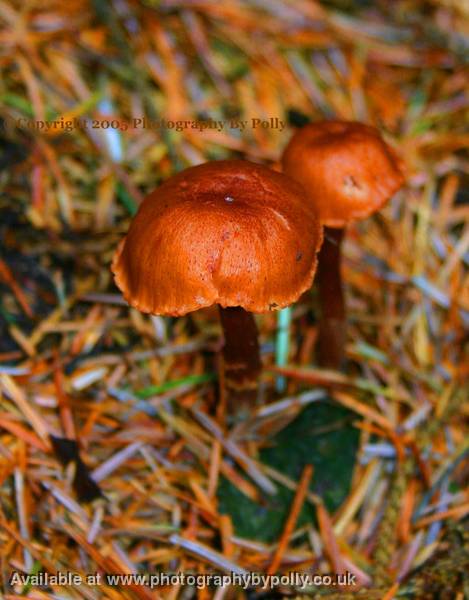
[(346, 168), (232, 233)]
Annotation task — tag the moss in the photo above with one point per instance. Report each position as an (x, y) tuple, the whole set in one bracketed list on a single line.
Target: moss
[(321, 435)]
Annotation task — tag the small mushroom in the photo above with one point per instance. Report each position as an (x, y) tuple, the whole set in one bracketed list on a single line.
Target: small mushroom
[(231, 233), (348, 172)]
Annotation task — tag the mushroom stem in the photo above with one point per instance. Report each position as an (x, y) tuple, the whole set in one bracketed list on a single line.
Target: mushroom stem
[(240, 352), (331, 337)]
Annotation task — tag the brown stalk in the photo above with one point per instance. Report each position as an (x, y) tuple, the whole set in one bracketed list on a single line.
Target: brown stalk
[(332, 322), (241, 354)]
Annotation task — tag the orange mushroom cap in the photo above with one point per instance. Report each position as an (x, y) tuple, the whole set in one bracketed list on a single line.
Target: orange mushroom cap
[(346, 168), (232, 233)]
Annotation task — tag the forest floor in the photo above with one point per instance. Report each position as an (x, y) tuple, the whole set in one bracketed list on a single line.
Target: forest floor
[(116, 451)]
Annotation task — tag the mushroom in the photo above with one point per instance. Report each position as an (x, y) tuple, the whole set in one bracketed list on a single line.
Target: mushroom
[(230, 233), (348, 172)]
